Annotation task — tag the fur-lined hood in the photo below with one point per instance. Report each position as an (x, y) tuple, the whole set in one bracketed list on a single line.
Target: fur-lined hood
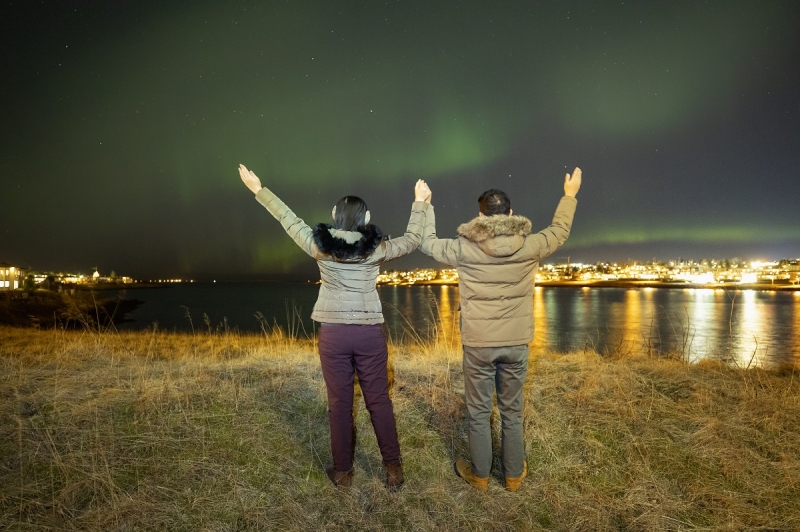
[(347, 246), (498, 235)]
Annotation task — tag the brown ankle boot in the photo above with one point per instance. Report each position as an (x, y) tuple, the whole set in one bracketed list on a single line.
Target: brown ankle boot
[(513, 484), (394, 476), (340, 479), (464, 470)]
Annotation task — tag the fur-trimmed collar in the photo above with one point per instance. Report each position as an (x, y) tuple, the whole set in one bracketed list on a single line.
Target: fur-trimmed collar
[(498, 235), (340, 249), (486, 227)]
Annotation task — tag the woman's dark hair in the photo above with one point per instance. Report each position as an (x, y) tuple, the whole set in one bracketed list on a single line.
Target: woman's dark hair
[(350, 213), (494, 201)]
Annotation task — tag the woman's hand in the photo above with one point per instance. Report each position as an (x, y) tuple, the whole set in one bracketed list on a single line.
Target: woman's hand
[(421, 191), (250, 179)]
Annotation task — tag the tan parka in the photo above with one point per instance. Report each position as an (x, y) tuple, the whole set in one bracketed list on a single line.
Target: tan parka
[(497, 258), (347, 293)]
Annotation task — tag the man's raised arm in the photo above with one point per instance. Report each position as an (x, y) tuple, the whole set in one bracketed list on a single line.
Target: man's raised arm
[(551, 238), (444, 250)]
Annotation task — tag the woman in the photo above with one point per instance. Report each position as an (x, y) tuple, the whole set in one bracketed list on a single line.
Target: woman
[(351, 341)]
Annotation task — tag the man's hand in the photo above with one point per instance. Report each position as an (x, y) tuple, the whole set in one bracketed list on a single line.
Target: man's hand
[(250, 179), (421, 191), (572, 184)]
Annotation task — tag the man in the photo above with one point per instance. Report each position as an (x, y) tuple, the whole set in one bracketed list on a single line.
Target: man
[(497, 257)]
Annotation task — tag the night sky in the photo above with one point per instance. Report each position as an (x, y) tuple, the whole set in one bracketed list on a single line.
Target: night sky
[(123, 124)]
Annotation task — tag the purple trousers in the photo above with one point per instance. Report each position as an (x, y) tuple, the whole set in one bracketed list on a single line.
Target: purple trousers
[(344, 351)]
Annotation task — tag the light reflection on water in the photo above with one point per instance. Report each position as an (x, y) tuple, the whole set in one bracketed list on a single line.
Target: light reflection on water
[(744, 327)]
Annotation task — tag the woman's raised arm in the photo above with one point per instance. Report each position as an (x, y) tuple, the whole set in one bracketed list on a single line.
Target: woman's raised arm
[(397, 247), (296, 228)]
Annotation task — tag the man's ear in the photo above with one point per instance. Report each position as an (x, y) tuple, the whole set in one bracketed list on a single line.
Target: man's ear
[(510, 212), (366, 218), (333, 213), (480, 214)]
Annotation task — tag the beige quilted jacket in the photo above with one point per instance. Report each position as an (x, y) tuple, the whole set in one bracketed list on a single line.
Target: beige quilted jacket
[(497, 258), (348, 263)]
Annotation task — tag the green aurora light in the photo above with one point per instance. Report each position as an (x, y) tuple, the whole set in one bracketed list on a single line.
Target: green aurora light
[(130, 120)]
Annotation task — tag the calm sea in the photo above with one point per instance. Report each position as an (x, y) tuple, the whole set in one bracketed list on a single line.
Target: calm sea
[(745, 327)]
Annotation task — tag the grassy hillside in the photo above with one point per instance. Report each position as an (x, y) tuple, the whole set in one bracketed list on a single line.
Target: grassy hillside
[(164, 431)]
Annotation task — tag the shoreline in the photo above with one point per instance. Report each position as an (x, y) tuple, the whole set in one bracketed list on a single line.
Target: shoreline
[(631, 284), (626, 283)]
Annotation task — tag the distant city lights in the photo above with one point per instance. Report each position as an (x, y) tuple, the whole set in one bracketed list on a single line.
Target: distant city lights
[(706, 272), (711, 273)]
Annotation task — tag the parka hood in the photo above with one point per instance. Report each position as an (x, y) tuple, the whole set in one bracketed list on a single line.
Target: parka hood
[(498, 235)]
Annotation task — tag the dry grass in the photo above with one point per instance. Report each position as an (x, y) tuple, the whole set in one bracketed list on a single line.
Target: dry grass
[(163, 431)]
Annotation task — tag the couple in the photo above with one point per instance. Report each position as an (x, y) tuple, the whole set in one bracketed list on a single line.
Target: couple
[(496, 257)]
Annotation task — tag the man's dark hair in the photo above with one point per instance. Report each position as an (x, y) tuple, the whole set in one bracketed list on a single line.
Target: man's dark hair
[(350, 213), (494, 201)]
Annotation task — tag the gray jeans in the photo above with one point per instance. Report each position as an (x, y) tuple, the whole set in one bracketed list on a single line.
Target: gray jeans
[(503, 368)]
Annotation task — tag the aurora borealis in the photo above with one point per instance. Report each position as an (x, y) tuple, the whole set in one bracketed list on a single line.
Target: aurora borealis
[(124, 123)]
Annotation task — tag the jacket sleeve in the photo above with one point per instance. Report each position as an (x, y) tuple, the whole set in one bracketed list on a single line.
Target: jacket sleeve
[(296, 228), (549, 240), (403, 245), (445, 250)]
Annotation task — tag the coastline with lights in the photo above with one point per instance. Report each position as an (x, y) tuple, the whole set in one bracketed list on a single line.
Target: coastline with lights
[(734, 273), (783, 274)]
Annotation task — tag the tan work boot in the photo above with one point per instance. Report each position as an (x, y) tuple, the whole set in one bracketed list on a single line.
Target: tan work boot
[(340, 479), (513, 483), (394, 476), (464, 470)]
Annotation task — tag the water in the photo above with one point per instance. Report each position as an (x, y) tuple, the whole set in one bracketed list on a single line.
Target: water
[(748, 328)]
